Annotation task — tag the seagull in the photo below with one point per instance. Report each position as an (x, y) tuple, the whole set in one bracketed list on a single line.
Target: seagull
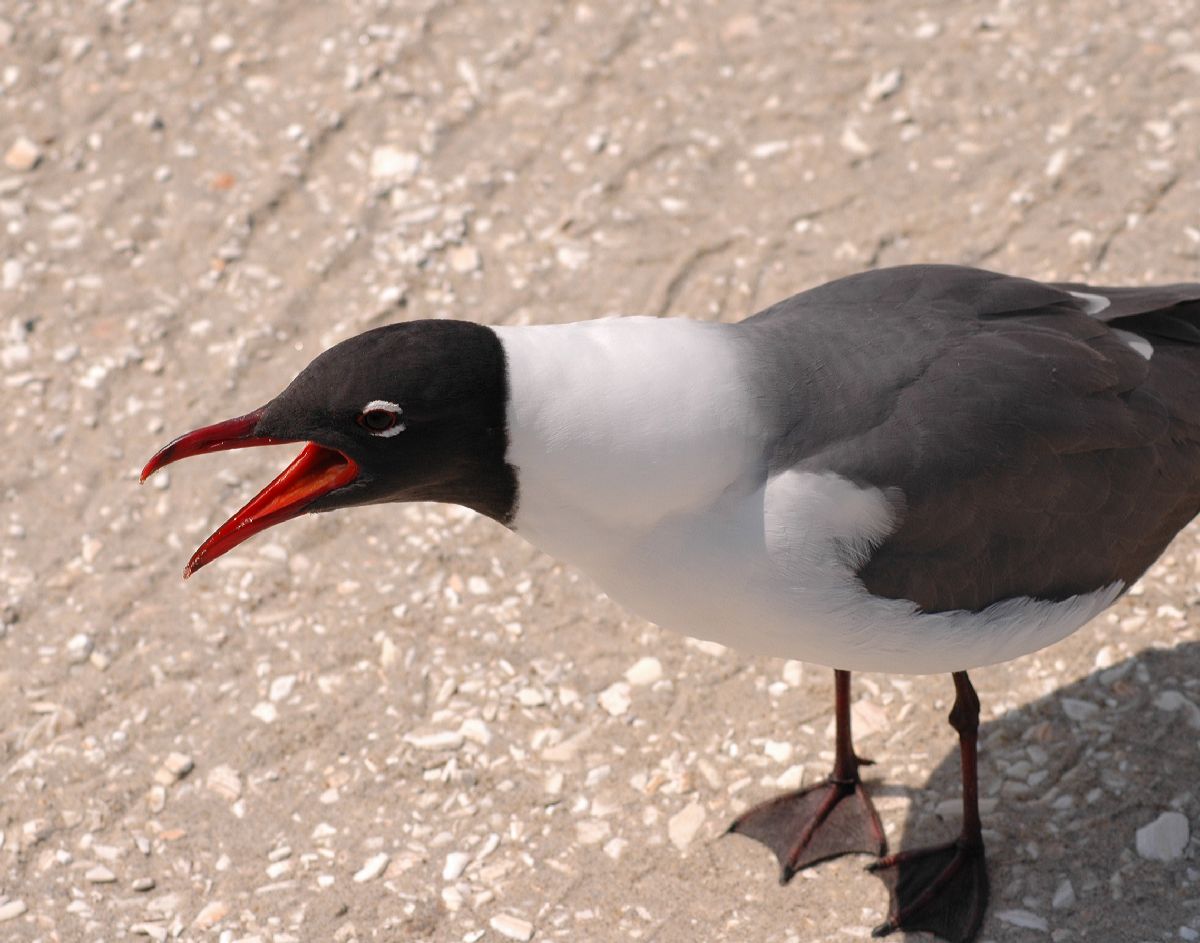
[(921, 469)]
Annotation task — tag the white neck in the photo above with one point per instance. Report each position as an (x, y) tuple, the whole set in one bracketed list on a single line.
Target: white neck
[(620, 423)]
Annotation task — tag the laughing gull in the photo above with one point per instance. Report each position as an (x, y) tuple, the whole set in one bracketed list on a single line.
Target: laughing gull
[(919, 469)]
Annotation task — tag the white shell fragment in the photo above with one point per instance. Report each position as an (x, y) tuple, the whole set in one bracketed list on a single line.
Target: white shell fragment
[(1025, 919), (1165, 838), (684, 825), (390, 164), (79, 647), (615, 698), (456, 864), (374, 866), (178, 765), (514, 928), (23, 155), (1064, 895), (644, 671), (436, 739), (210, 915), (225, 782)]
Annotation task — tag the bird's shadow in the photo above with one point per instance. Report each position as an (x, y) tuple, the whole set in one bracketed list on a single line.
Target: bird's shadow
[(1071, 777)]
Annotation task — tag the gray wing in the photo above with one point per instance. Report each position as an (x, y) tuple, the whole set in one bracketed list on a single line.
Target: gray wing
[(1038, 453)]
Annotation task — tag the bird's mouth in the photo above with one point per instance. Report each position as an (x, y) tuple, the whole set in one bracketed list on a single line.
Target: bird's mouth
[(314, 473)]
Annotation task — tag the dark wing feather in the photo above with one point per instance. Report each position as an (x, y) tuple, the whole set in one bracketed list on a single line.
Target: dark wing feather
[(1037, 453), (1166, 311)]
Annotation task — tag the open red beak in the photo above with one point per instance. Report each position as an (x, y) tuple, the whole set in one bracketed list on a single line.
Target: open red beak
[(316, 471)]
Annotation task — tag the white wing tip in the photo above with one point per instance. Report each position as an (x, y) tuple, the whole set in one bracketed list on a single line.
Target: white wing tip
[(1092, 304)]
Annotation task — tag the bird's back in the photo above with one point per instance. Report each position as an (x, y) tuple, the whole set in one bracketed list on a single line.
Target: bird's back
[(1039, 440)]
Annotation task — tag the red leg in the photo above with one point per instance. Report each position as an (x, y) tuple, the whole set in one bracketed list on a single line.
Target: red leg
[(815, 824), (943, 889)]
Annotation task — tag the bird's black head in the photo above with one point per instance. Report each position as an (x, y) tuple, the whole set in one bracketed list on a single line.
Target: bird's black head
[(418, 407), (407, 412)]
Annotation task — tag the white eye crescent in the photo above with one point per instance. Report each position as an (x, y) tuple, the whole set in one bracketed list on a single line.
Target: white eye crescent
[(381, 418)]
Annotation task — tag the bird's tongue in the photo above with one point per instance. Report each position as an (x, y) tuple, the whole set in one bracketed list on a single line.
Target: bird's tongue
[(316, 471)]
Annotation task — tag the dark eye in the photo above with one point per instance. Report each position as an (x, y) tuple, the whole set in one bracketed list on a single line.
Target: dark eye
[(381, 417), (378, 420)]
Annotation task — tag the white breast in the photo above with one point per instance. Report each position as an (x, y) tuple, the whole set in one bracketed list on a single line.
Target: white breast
[(639, 460), (628, 419)]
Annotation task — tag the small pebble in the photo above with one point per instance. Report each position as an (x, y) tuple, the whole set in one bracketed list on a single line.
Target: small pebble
[(1172, 701), (456, 863), (79, 647), (178, 765), (572, 257), (1064, 895), (210, 915), (90, 547), (1056, 163), (1078, 710), (644, 671), (435, 740), (388, 653), (278, 869), (465, 259), (884, 85), (512, 927), (12, 910), (1024, 919), (98, 874), (531, 697), (23, 155), (390, 164), (791, 778), (323, 831), (11, 273), (743, 26), (684, 825), (615, 698), (265, 711), (765, 150), (596, 141), (852, 141), (156, 797), (143, 884), (476, 731), (1165, 838), (225, 782), (373, 867), (592, 831)]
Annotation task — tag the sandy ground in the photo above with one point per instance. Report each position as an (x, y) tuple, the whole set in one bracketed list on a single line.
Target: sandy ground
[(405, 723)]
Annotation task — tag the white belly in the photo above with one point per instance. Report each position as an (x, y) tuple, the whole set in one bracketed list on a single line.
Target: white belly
[(772, 573)]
